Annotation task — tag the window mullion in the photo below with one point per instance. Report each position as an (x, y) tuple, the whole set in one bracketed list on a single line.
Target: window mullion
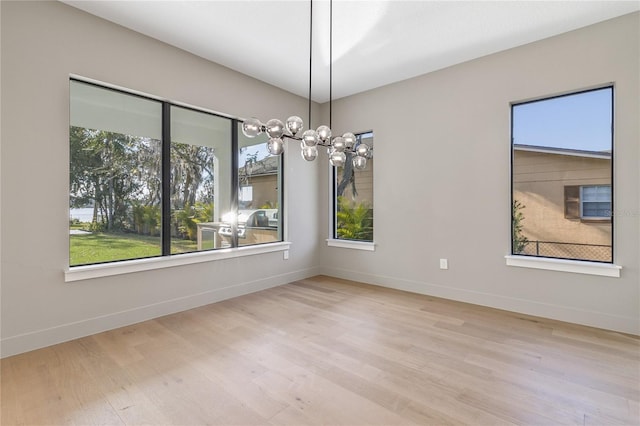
[(235, 181), (166, 179)]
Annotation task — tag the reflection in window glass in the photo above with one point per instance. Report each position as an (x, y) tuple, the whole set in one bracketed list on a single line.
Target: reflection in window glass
[(200, 178), (354, 198), (115, 176), (259, 195), (562, 176)]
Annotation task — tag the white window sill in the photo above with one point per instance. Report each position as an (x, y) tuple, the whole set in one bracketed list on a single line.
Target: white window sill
[(563, 265), (78, 273), (350, 244)]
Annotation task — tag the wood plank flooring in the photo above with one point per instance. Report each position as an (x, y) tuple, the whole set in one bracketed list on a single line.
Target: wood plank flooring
[(330, 351)]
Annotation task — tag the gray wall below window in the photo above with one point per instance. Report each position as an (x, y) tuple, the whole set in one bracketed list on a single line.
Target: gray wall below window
[(442, 179)]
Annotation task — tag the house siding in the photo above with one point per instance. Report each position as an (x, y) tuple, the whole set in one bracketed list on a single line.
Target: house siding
[(539, 180)]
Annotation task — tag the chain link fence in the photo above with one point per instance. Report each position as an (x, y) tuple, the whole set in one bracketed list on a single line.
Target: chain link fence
[(595, 252)]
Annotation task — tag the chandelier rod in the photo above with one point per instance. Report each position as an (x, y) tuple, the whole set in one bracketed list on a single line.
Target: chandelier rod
[(330, 62), (310, 54)]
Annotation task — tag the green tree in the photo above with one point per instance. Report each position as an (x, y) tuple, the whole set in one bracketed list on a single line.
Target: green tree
[(120, 177), (519, 241), (192, 174), (346, 176), (192, 188), (112, 172)]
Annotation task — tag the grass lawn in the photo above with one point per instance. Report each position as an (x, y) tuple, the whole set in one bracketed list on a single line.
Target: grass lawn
[(105, 247)]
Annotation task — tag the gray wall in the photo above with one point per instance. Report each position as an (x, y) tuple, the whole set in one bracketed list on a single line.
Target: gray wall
[(44, 42), (442, 182)]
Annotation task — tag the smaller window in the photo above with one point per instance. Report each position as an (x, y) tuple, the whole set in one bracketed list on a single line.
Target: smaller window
[(353, 198), (245, 196), (587, 202), (572, 202), (595, 202)]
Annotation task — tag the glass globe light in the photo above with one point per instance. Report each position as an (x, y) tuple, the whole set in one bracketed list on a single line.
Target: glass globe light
[(275, 146), (275, 128), (310, 137), (362, 150), (294, 124), (359, 163), (251, 127), (324, 133), (339, 144), (337, 158), (309, 153), (349, 140)]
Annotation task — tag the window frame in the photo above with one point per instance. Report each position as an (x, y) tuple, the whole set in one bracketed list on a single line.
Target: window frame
[(166, 258), (333, 240), (591, 267)]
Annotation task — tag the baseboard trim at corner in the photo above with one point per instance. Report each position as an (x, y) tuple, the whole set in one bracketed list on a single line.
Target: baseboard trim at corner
[(527, 307), (59, 334)]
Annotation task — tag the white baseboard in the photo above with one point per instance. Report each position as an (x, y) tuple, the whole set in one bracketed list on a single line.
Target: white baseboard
[(62, 333), (528, 307)]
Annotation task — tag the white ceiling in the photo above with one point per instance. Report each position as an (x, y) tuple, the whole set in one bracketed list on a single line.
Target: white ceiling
[(374, 42)]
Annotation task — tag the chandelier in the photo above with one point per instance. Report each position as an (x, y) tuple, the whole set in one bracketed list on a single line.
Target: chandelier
[(339, 148)]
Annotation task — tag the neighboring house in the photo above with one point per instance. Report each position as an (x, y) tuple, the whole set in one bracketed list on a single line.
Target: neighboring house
[(567, 199), (259, 184)]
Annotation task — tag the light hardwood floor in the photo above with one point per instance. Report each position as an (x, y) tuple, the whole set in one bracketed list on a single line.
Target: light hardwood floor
[(329, 351)]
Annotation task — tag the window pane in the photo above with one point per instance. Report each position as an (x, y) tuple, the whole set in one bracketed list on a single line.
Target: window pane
[(596, 193), (259, 194), (562, 159), (354, 198), (593, 209), (115, 175), (200, 179)]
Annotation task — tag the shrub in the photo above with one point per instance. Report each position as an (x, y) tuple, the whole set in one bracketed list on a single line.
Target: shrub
[(146, 219), (186, 219), (354, 221)]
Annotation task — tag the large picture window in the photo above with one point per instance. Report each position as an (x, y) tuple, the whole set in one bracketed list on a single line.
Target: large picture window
[(148, 178), (562, 168), (353, 198)]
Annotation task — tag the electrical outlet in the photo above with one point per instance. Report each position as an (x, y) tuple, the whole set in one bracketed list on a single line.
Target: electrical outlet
[(444, 264), (285, 255)]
